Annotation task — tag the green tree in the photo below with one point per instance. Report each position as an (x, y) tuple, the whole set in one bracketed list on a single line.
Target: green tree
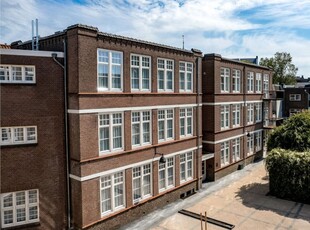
[(284, 72), (294, 134)]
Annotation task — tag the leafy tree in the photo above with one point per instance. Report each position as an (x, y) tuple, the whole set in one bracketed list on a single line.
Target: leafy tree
[(284, 72), (294, 134)]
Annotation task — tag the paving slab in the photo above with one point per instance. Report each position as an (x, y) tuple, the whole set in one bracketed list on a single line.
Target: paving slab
[(240, 199)]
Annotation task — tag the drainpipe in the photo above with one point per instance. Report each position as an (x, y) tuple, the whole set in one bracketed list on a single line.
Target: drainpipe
[(64, 66), (198, 125), (244, 113)]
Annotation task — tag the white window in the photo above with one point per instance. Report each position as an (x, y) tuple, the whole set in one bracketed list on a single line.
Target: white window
[(250, 82), (186, 166), (112, 193), (165, 74), (19, 208), (236, 82), (294, 111), (250, 144), (110, 132), (266, 83), (17, 74), (295, 97), (186, 122), (225, 75), (141, 128), (110, 70), (236, 149), (250, 114), (186, 76), (18, 135), (258, 141), (140, 72), (224, 153), (142, 182), (166, 174), (236, 115), (258, 112), (165, 124), (258, 83), (224, 117)]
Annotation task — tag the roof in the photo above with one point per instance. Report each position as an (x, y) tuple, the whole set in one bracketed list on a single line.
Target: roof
[(5, 46), (59, 33)]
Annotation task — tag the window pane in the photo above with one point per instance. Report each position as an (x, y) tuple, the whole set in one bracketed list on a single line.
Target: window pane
[(135, 134), (135, 78), (119, 195), (8, 201), (117, 137), (146, 132), (18, 134), (161, 130), (17, 73), (145, 79), (31, 134), (20, 214), (104, 139), (169, 80), (32, 196), (8, 216), (5, 134), (189, 81), (160, 79), (182, 81), (29, 73), (20, 198), (169, 129), (33, 213), (103, 73), (116, 76)]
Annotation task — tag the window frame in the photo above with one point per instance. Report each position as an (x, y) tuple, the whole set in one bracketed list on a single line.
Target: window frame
[(166, 174), (141, 123), (236, 149), (141, 68), (225, 79), (258, 82), (225, 117), (295, 97), (236, 115), (258, 111), (9, 74), (250, 144), (188, 69), (141, 177), (250, 113), (14, 207), (250, 82), (186, 125), (225, 153), (165, 119), (266, 83), (188, 159), (258, 141), (110, 64), (12, 135), (111, 132), (236, 81), (112, 187), (165, 70)]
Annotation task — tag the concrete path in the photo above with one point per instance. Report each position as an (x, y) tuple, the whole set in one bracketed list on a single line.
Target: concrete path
[(239, 199)]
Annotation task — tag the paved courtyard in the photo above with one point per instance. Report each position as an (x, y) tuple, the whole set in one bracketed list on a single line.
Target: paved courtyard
[(239, 199)]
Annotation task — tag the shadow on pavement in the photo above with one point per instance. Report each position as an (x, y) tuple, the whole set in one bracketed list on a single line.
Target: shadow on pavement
[(254, 195)]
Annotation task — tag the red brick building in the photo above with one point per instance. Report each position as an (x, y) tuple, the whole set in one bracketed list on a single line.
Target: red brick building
[(134, 112), (233, 113), (32, 163)]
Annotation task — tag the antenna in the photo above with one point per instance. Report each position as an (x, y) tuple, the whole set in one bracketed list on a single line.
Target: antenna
[(183, 40), (35, 39)]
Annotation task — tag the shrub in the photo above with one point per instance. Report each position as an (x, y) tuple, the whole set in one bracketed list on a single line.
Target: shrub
[(294, 134), (289, 174)]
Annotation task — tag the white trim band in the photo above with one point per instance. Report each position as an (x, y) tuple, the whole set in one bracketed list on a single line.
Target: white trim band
[(33, 53), (231, 102), (122, 109), (230, 138), (123, 168)]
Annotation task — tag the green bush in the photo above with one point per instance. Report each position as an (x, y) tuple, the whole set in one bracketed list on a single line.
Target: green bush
[(294, 134), (289, 174)]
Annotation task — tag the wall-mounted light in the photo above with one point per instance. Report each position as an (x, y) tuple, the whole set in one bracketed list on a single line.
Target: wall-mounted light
[(248, 133), (162, 159)]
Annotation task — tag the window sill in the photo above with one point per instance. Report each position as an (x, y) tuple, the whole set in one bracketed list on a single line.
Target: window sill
[(18, 144), (22, 226)]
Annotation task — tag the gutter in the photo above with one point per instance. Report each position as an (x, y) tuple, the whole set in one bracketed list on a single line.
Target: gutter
[(64, 66)]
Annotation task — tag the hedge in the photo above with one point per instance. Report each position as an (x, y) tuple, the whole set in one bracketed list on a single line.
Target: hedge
[(289, 174)]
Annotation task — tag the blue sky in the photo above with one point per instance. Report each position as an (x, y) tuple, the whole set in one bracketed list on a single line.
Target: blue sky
[(232, 28)]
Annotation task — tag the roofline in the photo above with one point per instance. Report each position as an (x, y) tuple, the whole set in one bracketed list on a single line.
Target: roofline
[(32, 53), (235, 61), (95, 29)]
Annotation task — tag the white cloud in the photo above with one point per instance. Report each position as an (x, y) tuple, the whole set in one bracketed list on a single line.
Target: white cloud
[(270, 26)]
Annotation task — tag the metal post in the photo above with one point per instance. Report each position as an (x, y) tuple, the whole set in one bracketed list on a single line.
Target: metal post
[(32, 37), (37, 34)]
